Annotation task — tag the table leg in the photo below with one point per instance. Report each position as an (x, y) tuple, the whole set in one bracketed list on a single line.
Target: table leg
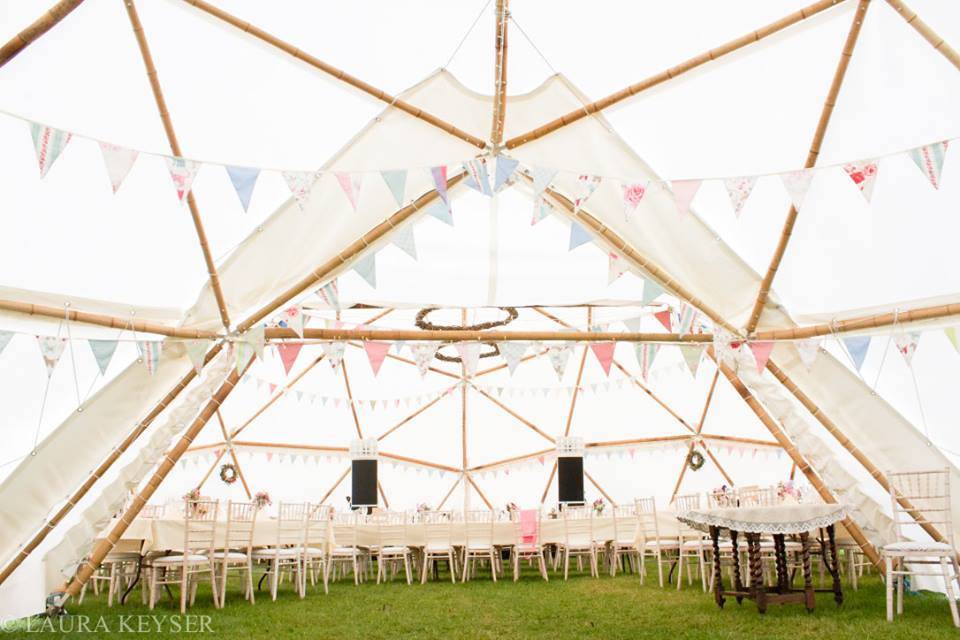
[(807, 573), (737, 579), (835, 566), (757, 586), (717, 573), (780, 560), (136, 579)]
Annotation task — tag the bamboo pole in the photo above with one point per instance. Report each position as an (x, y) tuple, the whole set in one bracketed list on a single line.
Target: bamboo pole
[(450, 492), (349, 253), (105, 320), (703, 416), (489, 335), (497, 463), (500, 73), (576, 391), (383, 495), (876, 321), (77, 495), (924, 30), (175, 147), (413, 415), (276, 396), (825, 113), (233, 455), (356, 83), (353, 409), (546, 489), (811, 474), (669, 74), (335, 485), (851, 448), (474, 484), (513, 413), (37, 28), (104, 546), (599, 488), (213, 466)]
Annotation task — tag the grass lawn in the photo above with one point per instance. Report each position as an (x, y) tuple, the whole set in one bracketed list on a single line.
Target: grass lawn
[(582, 607)]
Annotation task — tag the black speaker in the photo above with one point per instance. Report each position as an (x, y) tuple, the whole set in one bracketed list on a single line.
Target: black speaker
[(570, 480), (363, 480)]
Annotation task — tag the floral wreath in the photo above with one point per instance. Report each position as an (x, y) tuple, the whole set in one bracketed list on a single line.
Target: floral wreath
[(228, 473), (422, 323), (695, 460)]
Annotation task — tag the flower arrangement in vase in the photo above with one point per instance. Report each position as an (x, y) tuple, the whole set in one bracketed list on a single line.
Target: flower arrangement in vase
[(262, 499), (788, 493), (192, 500), (598, 506), (723, 496)]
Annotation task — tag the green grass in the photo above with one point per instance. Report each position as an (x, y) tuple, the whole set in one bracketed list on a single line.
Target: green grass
[(582, 607)]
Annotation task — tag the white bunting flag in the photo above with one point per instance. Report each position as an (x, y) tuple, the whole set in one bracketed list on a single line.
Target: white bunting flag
[(503, 172), (293, 318), (684, 192), (330, 294), (255, 337), (797, 183), (333, 351), (616, 267), (5, 337), (423, 354), (149, 352), (48, 143), (512, 352), (196, 350), (864, 175), (646, 354), (692, 355), (51, 348), (478, 178), (182, 172), (651, 291), (469, 356), (118, 160), (103, 351), (586, 185), (403, 239), (541, 209), (808, 350), (907, 345), (366, 267), (542, 177), (300, 184), (739, 190)]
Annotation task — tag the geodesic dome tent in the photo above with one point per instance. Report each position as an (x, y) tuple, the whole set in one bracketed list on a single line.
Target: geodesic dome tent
[(609, 253)]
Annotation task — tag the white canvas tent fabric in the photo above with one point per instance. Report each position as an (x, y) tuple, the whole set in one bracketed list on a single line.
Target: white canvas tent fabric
[(844, 255)]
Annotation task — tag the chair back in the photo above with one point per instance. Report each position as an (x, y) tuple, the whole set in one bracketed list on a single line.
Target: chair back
[(648, 528), (685, 504), (152, 511), (928, 495), (291, 518), (527, 526), (578, 525), (392, 528), (723, 499), (316, 526), (200, 526), (755, 496), (437, 528), (241, 522), (478, 528), (624, 523), (348, 524)]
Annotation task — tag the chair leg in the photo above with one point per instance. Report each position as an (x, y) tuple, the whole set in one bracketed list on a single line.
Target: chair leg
[(679, 569), (951, 597), (566, 562), (406, 566), (660, 567), (900, 581), (493, 565), (184, 584), (888, 561), (250, 581), (274, 577)]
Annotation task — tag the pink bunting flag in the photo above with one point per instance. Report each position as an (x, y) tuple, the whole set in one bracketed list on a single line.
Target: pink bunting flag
[(797, 183), (604, 353), (907, 345), (616, 267), (632, 195), (376, 352), (118, 160), (683, 193), (182, 172), (350, 183), (666, 318), (739, 190), (761, 353), (864, 175), (288, 354)]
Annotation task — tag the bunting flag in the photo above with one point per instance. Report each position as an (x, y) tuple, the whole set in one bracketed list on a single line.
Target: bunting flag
[(441, 211), (616, 267), (542, 177), (397, 183), (196, 350), (376, 352), (103, 351), (293, 318), (330, 294), (578, 236), (692, 355), (5, 337), (761, 353), (243, 179), (350, 183), (632, 195), (403, 239), (300, 184), (797, 183), (857, 348), (651, 291), (586, 185), (51, 348), (541, 209), (683, 193), (366, 267), (864, 175), (255, 337), (243, 353), (439, 177), (512, 352), (808, 350), (739, 190), (950, 331), (182, 172), (423, 354), (48, 143), (478, 178), (149, 352), (929, 159), (907, 345), (118, 160), (288, 354), (666, 318), (646, 354), (559, 355), (333, 351), (604, 353), (723, 344), (685, 318), (469, 355), (634, 324), (504, 172)]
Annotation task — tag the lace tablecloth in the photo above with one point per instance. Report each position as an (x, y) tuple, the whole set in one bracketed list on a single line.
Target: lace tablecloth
[(785, 518)]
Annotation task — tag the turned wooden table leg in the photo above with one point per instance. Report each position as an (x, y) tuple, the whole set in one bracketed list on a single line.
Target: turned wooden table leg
[(835, 565), (717, 574), (780, 560), (737, 579), (808, 597), (757, 586)]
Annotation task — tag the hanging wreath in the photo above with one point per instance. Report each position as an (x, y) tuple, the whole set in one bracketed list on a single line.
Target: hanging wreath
[(695, 460), (228, 473), (422, 323), (494, 351)]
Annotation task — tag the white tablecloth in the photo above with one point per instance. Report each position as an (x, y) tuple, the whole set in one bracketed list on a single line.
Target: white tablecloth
[(785, 518)]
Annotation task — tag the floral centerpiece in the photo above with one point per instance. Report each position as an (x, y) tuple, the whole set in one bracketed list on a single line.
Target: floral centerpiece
[(512, 507), (723, 496), (598, 506), (423, 507), (789, 493), (192, 499), (262, 499)]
